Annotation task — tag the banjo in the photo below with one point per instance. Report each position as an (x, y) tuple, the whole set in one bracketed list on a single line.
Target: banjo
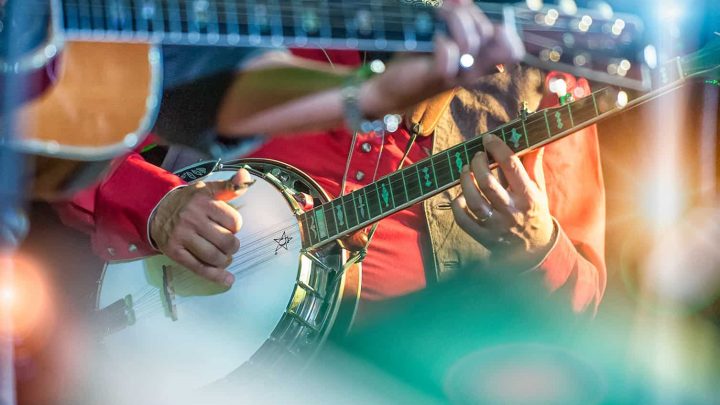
[(86, 57), (292, 287)]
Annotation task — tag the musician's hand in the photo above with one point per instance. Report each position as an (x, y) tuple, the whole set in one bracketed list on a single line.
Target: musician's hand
[(514, 223), (413, 79), (195, 227)]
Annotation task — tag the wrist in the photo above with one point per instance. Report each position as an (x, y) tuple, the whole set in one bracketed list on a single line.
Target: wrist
[(543, 251), (151, 219)]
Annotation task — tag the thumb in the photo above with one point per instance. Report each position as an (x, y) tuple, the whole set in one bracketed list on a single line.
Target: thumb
[(234, 187), (533, 163)]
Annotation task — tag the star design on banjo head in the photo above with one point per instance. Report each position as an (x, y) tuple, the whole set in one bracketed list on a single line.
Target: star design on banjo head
[(282, 242)]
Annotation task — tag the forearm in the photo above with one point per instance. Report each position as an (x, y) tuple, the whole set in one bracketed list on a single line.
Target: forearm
[(297, 97)]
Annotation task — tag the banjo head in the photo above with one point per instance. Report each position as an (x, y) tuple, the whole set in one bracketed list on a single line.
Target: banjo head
[(169, 328)]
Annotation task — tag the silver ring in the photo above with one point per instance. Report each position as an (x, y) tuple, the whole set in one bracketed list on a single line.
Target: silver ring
[(486, 217), (466, 62)]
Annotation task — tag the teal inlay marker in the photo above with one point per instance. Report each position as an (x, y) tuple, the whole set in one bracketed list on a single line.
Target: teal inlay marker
[(385, 195), (515, 138), (362, 207), (321, 224), (558, 120), (458, 161), (426, 173), (339, 215)]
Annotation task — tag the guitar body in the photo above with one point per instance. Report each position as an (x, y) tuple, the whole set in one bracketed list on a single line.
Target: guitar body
[(159, 319), (103, 100), (90, 103)]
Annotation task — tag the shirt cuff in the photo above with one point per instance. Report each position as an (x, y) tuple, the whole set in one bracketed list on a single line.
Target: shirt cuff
[(152, 215), (559, 261)]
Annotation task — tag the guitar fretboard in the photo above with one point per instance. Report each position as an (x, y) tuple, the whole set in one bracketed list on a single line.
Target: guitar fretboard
[(366, 25), (441, 171)]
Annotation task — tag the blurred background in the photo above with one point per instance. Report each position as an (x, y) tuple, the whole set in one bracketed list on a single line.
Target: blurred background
[(655, 339)]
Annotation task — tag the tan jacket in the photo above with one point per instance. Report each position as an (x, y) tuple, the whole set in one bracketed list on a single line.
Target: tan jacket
[(490, 103)]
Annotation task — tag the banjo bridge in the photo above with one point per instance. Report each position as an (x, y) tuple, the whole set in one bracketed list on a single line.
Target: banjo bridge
[(168, 293)]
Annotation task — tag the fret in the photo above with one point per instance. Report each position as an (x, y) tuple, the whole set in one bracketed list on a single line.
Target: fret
[(474, 146), (408, 29), (404, 183), (411, 175), (362, 205), (547, 124), (667, 73), (277, 29), (597, 112), (559, 120), (372, 198), (313, 234), (71, 17), (258, 22), (325, 28), (97, 14), (426, 175), (330, 220), (385, 194), (582, 110), (301, 29), (84, 16), (339, 215), (230, 22), (524, 131), (441, 170), (338, 20), (536, 129), (157, 16), (306, 234), (456, 161), (397, 189), (141, 22), (572, 122), (348, 203), (380, 29), (174, 17), (320, 222)]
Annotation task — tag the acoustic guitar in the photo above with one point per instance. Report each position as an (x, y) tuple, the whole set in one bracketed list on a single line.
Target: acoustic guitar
[(102, 67)]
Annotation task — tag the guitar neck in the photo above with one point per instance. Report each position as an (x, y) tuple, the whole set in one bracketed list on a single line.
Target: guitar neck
[(369, 25), (441, 171)]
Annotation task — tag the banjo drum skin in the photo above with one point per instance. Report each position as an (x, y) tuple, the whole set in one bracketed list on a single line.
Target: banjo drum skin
[(159, 319)]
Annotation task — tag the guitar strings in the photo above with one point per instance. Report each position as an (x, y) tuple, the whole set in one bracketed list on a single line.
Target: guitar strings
[(249, 263), (246, 246), (394, 18)]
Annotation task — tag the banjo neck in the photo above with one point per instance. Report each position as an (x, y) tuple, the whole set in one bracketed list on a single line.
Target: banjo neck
[(434, 174)]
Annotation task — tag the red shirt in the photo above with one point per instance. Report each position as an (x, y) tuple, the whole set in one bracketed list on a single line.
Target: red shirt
[(116, 211)]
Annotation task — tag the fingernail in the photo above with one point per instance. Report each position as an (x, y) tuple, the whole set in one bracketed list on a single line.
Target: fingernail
[(229, 280), (488, 138), (242, 186)]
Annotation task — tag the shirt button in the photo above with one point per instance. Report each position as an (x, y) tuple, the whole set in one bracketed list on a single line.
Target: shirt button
[(359, 175), (366, 147), (132, 248), (111, 251)]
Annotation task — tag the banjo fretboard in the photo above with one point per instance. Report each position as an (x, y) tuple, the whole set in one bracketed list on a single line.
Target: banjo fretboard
[(432, 175)]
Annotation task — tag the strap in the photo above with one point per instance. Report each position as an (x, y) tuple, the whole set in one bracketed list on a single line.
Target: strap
[(424, 117)]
